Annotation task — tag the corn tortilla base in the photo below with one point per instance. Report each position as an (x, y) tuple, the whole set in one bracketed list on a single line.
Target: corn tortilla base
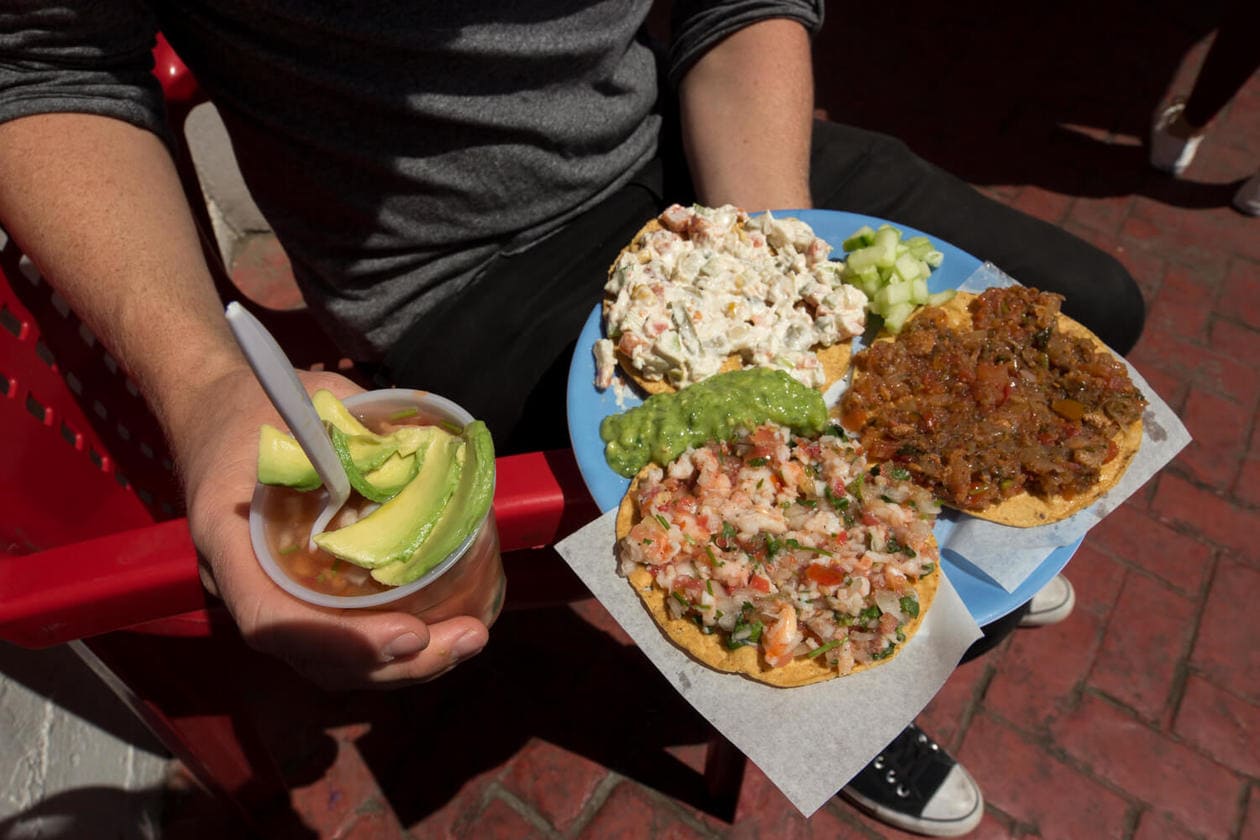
[(710, 649)]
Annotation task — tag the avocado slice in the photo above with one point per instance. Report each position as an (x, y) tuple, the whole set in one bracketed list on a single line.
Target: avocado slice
[(282, 461), (334, 411), (395, 530), (379, 481), (392, 476), (462, 515)]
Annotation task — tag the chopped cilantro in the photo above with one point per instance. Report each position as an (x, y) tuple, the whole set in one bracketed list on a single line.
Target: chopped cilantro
[(886, 652), (837, 502), (900, 473), (821, 649), (855, 487), (745, 633), (910, 606), (792, 543)]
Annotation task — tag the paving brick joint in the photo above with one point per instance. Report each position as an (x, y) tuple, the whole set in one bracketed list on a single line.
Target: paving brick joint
[(1139, 717)]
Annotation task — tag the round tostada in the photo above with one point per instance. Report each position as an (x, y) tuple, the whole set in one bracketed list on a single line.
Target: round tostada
[(701, 290), (790, 560), (999, 404)]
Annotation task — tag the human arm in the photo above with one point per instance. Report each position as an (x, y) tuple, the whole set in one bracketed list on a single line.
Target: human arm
[(746, 105), (95, 202)]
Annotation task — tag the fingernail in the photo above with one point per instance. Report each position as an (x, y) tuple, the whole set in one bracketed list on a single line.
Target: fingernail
[(404, 645), (468, 644)]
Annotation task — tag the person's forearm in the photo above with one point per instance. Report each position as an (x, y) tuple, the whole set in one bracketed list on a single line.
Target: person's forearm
[(97, 205), (747, 113)]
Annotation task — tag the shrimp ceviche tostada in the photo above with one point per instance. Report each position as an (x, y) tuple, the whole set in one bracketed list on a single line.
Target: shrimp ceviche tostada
[(786, 558)]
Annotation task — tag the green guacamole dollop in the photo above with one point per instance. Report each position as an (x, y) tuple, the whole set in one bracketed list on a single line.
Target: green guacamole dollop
[(665, 425)]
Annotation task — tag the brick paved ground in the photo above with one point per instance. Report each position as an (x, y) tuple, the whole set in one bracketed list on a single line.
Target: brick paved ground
[(1137, 718)]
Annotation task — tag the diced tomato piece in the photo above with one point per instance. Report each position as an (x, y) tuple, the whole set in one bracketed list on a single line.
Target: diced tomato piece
[(992, 385), (825, 575), (760, 583)]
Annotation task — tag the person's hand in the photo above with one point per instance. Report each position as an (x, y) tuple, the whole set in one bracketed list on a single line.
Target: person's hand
[(216, 446)]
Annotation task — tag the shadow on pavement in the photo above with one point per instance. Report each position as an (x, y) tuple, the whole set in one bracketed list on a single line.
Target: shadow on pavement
[(1059, 96)]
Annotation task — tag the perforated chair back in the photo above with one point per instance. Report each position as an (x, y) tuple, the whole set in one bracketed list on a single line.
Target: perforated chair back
[(84, 455)]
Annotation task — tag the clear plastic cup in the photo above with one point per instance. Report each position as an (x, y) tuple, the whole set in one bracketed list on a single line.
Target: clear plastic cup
[(469, 581)]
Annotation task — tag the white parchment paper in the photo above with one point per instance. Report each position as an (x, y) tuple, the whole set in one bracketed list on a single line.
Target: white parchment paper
[(811, 740), (1009, 555)]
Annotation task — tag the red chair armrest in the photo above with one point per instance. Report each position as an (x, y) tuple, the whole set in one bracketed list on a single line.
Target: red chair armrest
[(146, 574)]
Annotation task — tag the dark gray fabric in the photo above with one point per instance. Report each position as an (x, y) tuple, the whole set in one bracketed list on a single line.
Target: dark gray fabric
[(395, 147)]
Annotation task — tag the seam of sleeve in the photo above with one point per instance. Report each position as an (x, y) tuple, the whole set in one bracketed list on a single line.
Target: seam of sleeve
[(16, 106), (679, 64)]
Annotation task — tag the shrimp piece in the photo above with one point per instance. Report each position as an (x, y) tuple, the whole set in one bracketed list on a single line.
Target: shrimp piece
[(755, 521), (796, 476), (676, 217), (648, 544), (713, 485), (782, 638)]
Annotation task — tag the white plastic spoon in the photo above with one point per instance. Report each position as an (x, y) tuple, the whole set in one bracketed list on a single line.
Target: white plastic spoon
[(276, 374)]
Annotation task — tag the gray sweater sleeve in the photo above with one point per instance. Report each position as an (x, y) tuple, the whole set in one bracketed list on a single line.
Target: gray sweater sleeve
[(699, 24), (89, 57)]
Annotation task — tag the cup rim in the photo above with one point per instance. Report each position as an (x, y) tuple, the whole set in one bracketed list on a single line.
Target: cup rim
[(272, 567)]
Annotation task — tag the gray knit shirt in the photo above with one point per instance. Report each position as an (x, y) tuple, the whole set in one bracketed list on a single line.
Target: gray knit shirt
[(394, 147)]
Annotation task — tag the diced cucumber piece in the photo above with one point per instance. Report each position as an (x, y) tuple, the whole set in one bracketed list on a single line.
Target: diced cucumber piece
[(934, 258), (887, 237), (920, 246), (893, 294), (909, 268), (895, 318), (860, 238), (877, 255), (918, 291)]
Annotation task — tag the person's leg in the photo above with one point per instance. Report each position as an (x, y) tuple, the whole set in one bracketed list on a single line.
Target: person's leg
[(1230, 61), (866, 172), (502, 347)]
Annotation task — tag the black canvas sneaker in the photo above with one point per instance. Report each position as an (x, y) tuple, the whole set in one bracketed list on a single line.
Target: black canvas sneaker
[(914, 785)]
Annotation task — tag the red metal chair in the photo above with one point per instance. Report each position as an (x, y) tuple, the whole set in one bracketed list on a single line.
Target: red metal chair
[(94, 551)]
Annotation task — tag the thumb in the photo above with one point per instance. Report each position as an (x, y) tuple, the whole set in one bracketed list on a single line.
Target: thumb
[(345, 650)]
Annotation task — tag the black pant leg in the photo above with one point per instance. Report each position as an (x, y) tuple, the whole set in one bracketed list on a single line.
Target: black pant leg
[(874, 174), (501, 347)]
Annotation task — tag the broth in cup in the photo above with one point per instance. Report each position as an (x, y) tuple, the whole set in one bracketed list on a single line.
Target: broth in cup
[(467, 580)]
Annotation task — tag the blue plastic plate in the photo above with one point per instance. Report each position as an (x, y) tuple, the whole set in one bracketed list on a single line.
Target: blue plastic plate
[(587, 406)]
